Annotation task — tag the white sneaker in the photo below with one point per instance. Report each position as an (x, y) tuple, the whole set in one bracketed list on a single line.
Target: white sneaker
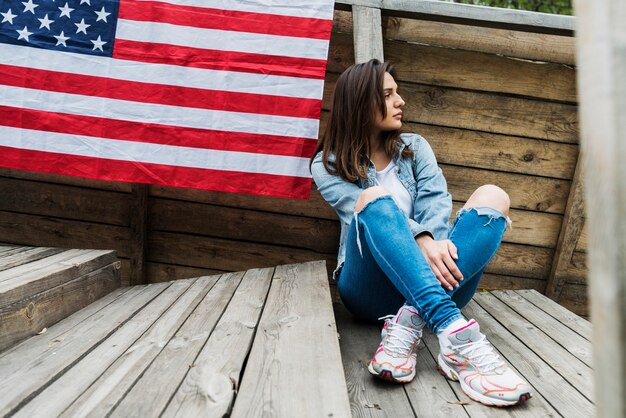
[(395, 357), (484, 377)]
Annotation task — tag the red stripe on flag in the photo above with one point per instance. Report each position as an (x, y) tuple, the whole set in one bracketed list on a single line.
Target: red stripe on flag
[(219, 60), (155, 133), (106, 169), (230, 20), (159, 93)]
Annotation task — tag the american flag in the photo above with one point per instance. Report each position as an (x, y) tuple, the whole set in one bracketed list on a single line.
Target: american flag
[(221, 95)]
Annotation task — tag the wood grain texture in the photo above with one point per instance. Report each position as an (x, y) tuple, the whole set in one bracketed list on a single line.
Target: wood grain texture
[(561, 314), (368, 34), (223, 254), (26, 280), (568, 236), (526, 192), (575, 297), (27, 255), (369, 397), (63, 351), (64, 201), (28, 316), (510, 43), (478, 15), (33, 346), (61, 393), (106, 392), (446, 67), (158, 273), (571, 341), (180, 357), (507, 42), (481, 111), (539, 374), (297, 320), (23, 229), (499, 152), (319, 235), (315, 207), (602, 86), (138, 233), (212, 381)]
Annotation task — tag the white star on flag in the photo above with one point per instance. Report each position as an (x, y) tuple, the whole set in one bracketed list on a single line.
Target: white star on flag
[(61, 39), (85, 1), (29, 6), (82, 26), (66, 10), (102, 15), (8, 17), (45, 22), (98, 43), (24, 34)]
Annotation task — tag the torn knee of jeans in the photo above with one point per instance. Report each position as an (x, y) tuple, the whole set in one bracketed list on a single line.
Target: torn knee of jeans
[(365, 206), (492, 214)]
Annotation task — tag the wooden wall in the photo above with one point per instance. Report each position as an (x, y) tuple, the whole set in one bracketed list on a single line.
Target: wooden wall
[(498, 106)]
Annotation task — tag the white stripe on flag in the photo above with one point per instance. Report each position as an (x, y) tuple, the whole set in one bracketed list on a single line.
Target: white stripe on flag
[(161, 114), (165, 33), (153, 153), (317, 9), (162, 73)]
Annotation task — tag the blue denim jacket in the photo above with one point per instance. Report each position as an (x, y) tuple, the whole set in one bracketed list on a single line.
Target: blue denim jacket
[(432, 204)]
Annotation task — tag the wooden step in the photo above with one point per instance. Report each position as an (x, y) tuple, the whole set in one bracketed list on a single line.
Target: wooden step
[(41, 286), (255, 343), (546, 344)]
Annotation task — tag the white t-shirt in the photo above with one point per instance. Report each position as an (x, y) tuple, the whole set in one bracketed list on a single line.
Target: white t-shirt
[(388, 178)]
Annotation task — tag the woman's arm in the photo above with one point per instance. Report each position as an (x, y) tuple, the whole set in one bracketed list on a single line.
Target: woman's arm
[(339, 193), (433, 204)]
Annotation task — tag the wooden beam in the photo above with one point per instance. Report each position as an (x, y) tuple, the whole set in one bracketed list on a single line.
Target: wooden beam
[(368, 34), (138, 233), (571, 228), (601, 50), (470, 14)]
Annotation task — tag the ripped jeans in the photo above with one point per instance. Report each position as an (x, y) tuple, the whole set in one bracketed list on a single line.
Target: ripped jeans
[(385, 268)]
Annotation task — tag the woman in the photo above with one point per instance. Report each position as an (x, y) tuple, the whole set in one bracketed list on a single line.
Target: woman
[(397, 251)]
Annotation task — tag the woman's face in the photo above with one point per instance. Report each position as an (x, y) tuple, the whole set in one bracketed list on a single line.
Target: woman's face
[(393, 104)]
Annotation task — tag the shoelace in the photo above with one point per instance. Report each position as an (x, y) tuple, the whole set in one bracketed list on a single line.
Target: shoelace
[(400, 339), (482, 355)]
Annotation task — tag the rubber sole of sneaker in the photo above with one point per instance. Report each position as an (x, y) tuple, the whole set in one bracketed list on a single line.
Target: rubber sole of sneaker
[(388, 376), (450, 374)]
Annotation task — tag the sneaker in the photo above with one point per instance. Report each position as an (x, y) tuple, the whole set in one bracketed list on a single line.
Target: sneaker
[(484, 377), (395, 357)]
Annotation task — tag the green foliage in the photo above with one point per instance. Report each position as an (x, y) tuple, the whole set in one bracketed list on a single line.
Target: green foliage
[(563, 7)]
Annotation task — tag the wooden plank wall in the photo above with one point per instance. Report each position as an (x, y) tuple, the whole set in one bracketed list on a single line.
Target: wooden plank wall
[(498, 106)]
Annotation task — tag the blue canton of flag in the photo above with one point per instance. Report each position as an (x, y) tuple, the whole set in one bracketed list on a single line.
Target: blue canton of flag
[(82, 26)]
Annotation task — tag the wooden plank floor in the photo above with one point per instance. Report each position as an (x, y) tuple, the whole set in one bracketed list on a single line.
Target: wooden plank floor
[(548, 345), (247, 343)]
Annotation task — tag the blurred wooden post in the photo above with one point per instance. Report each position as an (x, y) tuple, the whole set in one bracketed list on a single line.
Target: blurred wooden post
[(368, 34), (601, 50)]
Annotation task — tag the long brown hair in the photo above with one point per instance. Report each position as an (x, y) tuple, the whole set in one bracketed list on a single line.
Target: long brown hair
[(357, 100)]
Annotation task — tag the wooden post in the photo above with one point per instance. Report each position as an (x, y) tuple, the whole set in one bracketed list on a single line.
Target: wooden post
[(368, 34), (601, 51), (138, 231), (571, 228)]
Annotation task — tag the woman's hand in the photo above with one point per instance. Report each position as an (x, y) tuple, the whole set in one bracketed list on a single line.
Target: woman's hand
[(440, 256)]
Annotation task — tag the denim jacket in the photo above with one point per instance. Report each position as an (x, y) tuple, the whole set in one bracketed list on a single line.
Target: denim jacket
[(432, 204)]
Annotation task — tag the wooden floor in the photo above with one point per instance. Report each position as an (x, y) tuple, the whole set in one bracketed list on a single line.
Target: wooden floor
[(264, 343), (547, 344), (246, 344)]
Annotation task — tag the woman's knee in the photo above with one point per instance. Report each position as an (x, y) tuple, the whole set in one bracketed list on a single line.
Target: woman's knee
[(491, 196), (368, 195)]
